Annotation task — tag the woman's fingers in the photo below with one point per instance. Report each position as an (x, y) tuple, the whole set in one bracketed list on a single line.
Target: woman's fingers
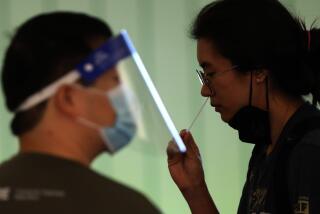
[(191, 143), (175, 156)]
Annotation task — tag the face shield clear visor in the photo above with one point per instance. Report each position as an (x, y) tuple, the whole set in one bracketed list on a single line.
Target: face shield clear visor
[(154, 126)]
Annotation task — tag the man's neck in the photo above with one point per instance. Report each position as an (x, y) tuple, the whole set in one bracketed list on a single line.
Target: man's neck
[(49, 143)]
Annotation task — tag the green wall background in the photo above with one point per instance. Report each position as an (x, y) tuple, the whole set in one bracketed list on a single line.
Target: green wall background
[(159, 29)]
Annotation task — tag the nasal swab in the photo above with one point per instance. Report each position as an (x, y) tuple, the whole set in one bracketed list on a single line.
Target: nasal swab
[(196, 117)]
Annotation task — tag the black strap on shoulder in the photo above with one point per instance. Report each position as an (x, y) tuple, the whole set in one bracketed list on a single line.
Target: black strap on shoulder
[(281, 186)]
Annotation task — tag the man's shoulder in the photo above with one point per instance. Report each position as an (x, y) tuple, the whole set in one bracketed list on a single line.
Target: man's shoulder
[(119, 192), (9, 168), (33, 168), (78, 183)]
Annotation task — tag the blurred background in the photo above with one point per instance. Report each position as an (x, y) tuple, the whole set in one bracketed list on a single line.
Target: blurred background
[(159, 29)]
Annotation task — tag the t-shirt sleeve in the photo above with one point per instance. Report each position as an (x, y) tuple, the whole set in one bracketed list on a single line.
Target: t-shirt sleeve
[(304, 175)]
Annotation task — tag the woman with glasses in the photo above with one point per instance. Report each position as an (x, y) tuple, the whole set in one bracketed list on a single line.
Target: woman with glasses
[(258, 62)]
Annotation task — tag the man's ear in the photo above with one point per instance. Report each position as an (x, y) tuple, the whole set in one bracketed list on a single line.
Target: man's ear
[(260, 75), (68, 100)]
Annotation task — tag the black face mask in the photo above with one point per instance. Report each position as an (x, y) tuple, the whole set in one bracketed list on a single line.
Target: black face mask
[(253, 123)]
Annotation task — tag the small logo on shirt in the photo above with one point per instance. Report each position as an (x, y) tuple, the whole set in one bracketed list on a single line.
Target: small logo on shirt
[(258, 199), (302, 206), (4, 193), (34, 194)]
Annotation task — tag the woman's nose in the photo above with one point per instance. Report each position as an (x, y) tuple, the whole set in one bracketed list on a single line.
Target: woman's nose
[(206, 91)]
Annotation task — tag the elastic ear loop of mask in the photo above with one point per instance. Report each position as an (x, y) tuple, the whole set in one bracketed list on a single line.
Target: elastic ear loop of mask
[(251, 88), (267, 93)]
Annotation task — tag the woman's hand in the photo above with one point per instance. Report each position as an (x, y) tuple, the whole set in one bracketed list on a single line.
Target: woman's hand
[(186, 168), (187, 172)]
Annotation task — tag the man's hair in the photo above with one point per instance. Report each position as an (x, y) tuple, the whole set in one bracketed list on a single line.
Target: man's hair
[(262, 34), (42, 50)]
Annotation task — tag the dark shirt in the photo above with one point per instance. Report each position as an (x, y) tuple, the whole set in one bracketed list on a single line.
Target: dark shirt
[(38, 183), (302, 172)]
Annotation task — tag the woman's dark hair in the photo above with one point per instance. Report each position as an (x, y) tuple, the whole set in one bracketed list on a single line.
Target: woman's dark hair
[(262, 34), (43, 49)]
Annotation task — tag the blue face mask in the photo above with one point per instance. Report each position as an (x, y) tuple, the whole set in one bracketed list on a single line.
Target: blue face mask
[(122, 132), (125, 127)]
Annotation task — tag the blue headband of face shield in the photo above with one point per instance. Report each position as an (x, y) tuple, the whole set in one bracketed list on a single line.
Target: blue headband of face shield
[(106, 57), (101, 60)]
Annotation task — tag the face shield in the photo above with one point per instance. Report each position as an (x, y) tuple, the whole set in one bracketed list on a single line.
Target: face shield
[(154, 127)]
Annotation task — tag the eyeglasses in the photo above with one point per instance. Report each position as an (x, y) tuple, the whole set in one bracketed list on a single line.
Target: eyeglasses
[(204, 77)]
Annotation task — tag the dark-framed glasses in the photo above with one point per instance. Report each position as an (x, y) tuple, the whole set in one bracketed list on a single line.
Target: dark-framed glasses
[(204, 77)]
